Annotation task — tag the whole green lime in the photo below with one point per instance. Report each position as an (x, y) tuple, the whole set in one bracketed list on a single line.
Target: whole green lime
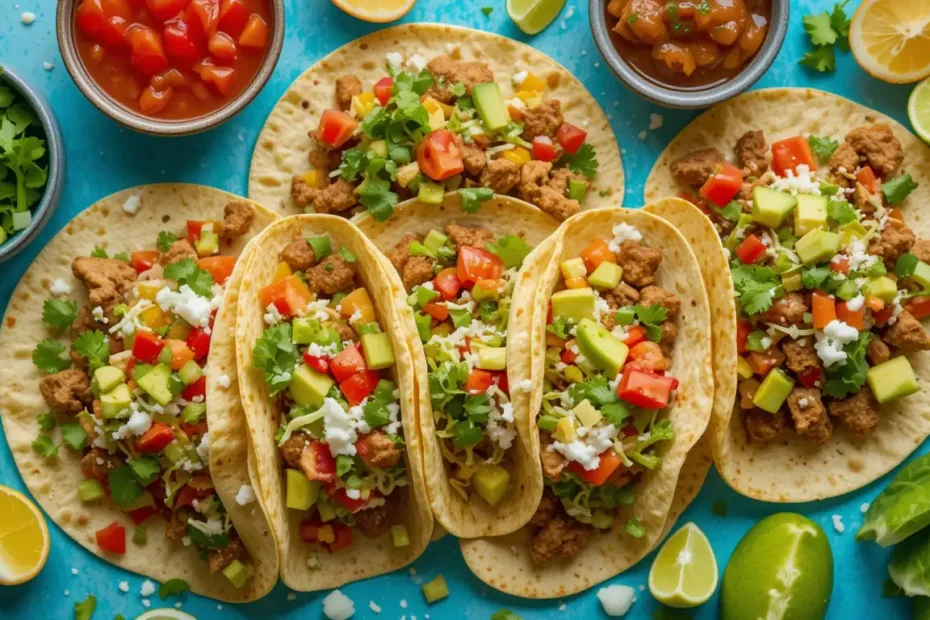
[(782, 569)]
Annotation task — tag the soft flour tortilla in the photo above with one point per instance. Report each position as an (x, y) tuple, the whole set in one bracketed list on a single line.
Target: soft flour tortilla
[(792, 469), (502, 216), (284, 144), (504, 563), (54, 483), (366, 557)]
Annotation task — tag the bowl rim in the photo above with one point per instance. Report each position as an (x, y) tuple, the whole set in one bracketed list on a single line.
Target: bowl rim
[(54, 145), (694, 99), (105, 103)]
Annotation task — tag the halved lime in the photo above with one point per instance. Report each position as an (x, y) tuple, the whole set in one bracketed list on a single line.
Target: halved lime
[(684, 574), (918, 109), (165, 613), (532, 16)]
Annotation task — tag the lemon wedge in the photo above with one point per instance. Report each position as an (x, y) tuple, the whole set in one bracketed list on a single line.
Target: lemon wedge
[(23, 538)]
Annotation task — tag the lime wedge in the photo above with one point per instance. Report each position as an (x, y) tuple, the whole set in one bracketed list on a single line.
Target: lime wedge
[(918, 109), (684, 574), (166, 613), (532, 16)]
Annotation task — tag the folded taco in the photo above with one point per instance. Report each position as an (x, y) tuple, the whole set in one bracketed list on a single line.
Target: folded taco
[(147, 469), (808, 198), (327, 384), (459, 273), (419, 110), (621, 391)]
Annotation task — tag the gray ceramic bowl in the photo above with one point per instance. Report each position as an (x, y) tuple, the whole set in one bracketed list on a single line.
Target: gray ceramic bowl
[(134, 120), (676, 98), (43, 210)]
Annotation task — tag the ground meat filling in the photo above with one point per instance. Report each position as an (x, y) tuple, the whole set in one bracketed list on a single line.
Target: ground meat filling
[(473, 157), (501, 175), (695, 168), (560, 536), (878, 144), (801, 357), (333, 274), (382, 452), (469, 236), (67, 391), (375, 521), (237, 219), (859, 412), (751, 151), (455, 72), (543, 120), (298, 255), (639, 263), (763, 426), (809, 415), (907, 334), (894, 241), (98, 463), (844, 160), (178, 251), (347, 86), (107, 279), (334, 198), (788, 310), (218, 559)]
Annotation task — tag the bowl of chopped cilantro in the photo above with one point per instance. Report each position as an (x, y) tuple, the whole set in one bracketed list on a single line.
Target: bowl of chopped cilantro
[(32, 164)]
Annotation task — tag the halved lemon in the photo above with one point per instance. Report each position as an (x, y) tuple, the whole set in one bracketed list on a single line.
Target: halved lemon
[(165, 613), (376, 10), (684, 574), (23, 538), (891, 39), (918, 109)]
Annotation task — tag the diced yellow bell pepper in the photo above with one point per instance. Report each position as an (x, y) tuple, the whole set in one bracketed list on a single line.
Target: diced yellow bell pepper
[(564, 430), (437, 115), (179, 330), (576, 283), (325, 534), (148, 290), (442, 330), (315, 179), (743, 368), (282, 271), (363, 104), (358, 301), (431, 105), (517, 155), (532, 99), (533, 83), (154, 318)]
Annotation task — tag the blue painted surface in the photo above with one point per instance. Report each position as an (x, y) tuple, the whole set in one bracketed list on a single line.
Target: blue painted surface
[(103, 158)]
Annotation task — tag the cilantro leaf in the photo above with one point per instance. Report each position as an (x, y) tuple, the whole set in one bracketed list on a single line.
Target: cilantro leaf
[(906, 265), (823, 147), (47, 357), (99, 252), (145, 468), (842, 381), (815, 277), (472, 198), (634, 528), (583, 162), (124, 488), (344, 465), (477, 407), (896, 190), (46, 420), (59, 313), (95, 346), (560, 326), (466, 434), (595, 390), (73, 434), (85, 609), (171, 587), (207, 541), (378, 198), (165, 240), (511, 249), (757, 297), (821, 59), (841, 211), (276, 356), (732, 211), (354, 161), (819, 29), (487, 10), (45, 446), (187, 272), (840, 24)]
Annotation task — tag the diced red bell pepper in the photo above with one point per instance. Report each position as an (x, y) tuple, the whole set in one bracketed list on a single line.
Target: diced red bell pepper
[(791, 153), (319, 364), (478, 381), (255, 34), (347, 502), (343, 534), (596, 253), (187, 494), (198, 340), (146, 51), (233, 16), (437, 311), (195, 389), (811, 377), (571, 138), (359, 386), (439, 156), (290, 296), (634, 335), (853, 318), (478, 264), (220, 267), (567, 357), (155, 439), (499, 378), (881, 316), (348, 362), (320, 465), (840, 264), (608, 464), (146, 347), (867, 177), (646, 389), (823, 309), (195, 230), (335, 128), (750, 250), (139, 515), (543, 148), (309, 530), (194, 430), (143, 261), (112, 538), (447, 283), (383, 88), (917, 306), (743, 328), (723, 185), (762, 362)]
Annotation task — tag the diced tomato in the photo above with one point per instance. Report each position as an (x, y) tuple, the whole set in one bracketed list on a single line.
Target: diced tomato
[(723, 185), (648, 354), (873, 303), (153, 101), (645, 389), (343, 534), (255, 34), (447, 283), (180, 353), (319, 364), (359, 386), (155, 439), (139, 515), (567, 357), (108, 29), (222, 47), (629, 431), (840, 264), (478, 381), (634, 335), (437, 311), (383, 88), (207, 14), (608, 464), (571, 138), (146, 347), (853, 318), (347, 502), (335, 128), (290, 296), (199, 342), (477, 264), (196, 389), (194, 231), (233, 16), (163, 10), (867, 177), (439, 156), (742, 335), (187, 494), (220, 267), (348, 362), (811, 378), (750, 249), (762, 362), (917, 306), (791, 153), (182, 42), (146, 52), (543, 148), (112, 538), (881, 317), (823, 309), (320, 463), (596, 253), (219, 77), (143, 261)]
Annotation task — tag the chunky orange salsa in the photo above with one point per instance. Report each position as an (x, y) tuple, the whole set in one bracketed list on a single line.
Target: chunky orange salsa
[(690, 43)]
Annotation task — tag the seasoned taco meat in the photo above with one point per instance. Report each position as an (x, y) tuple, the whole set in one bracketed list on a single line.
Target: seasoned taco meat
[(347, 86), (547, 509), (907, 334), (787, 310), (894, 241), (98, 463), (655, 295), (334, 198), (293, 448), (238, 216), (473, 157), (762, 426), (877, 351), (417, 270), (751, 151), (859, 412), (694, 169), (106, 278), (878, 144), (801, 355), (621, 296), (401, 252), (809, 415), (469, 236), (298, 254), (639, 263), (543, 120), (67, 391), (455, 72), (501, 175), (179, 250), (382, 452), (333, 274), (562, 536), (345, 332), (374, 522), (844, 159), (218, 559), (561, 177)]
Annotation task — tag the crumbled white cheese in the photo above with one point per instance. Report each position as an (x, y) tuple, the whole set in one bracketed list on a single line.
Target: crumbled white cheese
[(203, 449), (187, 304), (374, 607), (354, 493), (99, 316), (246, 495), (831, 340), (148, 588), (623, 232), (60, 287), (802, 182), (403, 603), (224, 381), (524, 385), (416, 63), (124, 586), (501, 434), (838, 524), (855, 304), (395, 60), (28, 17), (803, 403), (339, 431), (132, 204), (519, 77), (338, 606), (272, 316), (48, 66), (137, 424), (655, 121), (766, 342), (616, 600), (146, 603), (864, 507), (317, 309), (578, 451), (859, 258)]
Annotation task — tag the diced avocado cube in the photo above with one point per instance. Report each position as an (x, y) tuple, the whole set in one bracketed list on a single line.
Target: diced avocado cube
[(606, 276), (773, 392), (486, 290), (829, 189), (431, 193), (21, 220), (817, 246), (605, 350), (922, 274), (437, 589), (490, 105), (892, 380), (625, 316), (192, 413), (847, 290), (573, 268), (399, 536), (770, 207), (236, 573), (302, 492), (491, 483), (547, 422), (174, 451), (378, 350), (586, 413), (155, 384), (792, 281), (743, 368), (492, 358), (190, 373), (140, 536), (882, 287), (115, 403), (810, 214), (326, 511), (575, 304), (309, 387), (435, 240), (850, 231), (577, 189), (108, 377), (564, 430), (90, 490), (208, 244), (303, 331), (379, 148)]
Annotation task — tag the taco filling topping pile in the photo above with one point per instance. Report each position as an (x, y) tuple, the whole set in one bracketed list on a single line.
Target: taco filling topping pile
[(831, 283), (129, 395), (609, 339), (328, 362), (461, 284), (442, 126)]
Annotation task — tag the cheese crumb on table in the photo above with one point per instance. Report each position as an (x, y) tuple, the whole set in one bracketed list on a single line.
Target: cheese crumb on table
[(616, 600)]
